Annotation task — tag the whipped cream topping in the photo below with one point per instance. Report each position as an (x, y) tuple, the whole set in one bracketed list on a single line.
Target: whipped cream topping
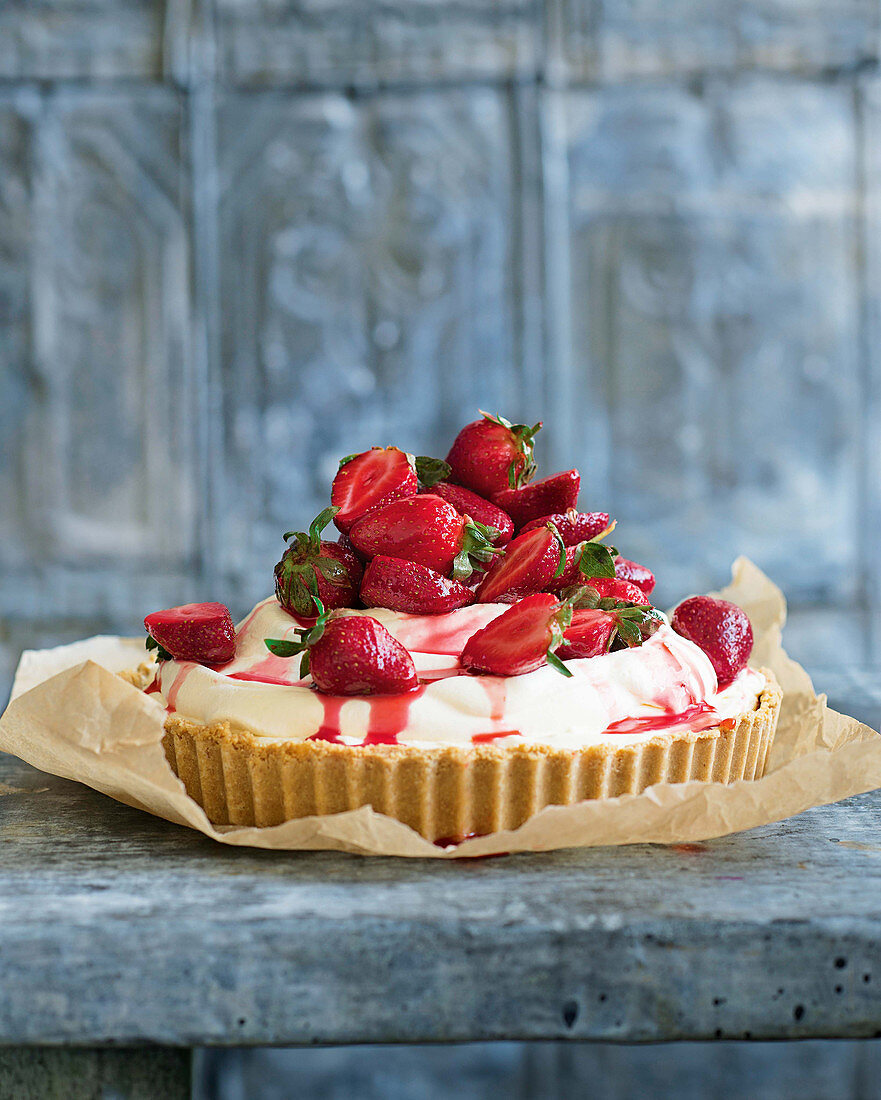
[(628, 695)]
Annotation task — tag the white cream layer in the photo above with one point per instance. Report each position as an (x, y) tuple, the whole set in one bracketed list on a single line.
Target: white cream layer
[(667, 673)]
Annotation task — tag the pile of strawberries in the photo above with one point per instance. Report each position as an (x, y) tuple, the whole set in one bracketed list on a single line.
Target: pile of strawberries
[(425, 536)]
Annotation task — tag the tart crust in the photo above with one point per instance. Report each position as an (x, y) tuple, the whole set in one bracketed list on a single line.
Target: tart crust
[(239, 778)]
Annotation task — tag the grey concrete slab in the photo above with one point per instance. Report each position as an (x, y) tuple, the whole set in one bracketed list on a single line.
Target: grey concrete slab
[(118, 927)]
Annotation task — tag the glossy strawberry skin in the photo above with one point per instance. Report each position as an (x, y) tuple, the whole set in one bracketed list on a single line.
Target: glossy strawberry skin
[(528, 566), (516, 642), (369, 480), (477, 507), (721, 629), (574, 527), (485, 455), (412, 588), (589, 635), (356, 655), (201, 632), (616, 589), (424, 529), (637, 574), (550, 496)]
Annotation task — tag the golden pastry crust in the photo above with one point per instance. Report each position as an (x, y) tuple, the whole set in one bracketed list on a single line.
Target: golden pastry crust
[(241, 779)]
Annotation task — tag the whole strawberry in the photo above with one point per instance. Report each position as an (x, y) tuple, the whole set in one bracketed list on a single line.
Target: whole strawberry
[(202, 632), (476, 508), (721, 629), (366, 480), (615, 589), (590, 634), (549, 496), (350, 655), (427, 530), (522, 639), (415, 589), (635, 573), (311, 567), (492, 454), (574, 527), (530, 564)]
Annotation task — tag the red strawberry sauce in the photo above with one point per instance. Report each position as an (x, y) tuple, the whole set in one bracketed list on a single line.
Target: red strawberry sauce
[(699, 716), (388, 717)]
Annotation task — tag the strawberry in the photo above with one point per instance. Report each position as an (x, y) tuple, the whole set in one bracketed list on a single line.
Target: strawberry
[(720, 628), (601, 623), (590, 634), (530, 564), (613, 588), (549, 496), (635, 573), (366, 480), (202, 632), (427, 530), (521, 640), (407, 586), (492, 454), (476, 508), (574, 527), (350, 655), (312, 566)]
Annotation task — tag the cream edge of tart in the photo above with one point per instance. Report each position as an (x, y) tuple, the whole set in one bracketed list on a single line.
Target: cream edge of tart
[(665, 677)]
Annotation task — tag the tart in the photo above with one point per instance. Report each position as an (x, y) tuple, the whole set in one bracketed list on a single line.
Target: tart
[(457, 660)]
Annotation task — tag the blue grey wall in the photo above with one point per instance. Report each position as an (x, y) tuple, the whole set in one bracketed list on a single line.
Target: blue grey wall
[(240, 239)]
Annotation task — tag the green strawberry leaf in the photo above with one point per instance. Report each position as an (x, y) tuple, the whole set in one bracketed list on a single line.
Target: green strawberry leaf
[(596, 560), (162, 653), (431, 470), (555, 663)]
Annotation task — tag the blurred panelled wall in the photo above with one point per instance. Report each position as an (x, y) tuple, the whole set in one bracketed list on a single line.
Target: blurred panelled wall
[(240, 239)]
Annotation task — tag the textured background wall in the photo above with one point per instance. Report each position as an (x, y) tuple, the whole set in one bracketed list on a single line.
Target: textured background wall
[(240, 239)]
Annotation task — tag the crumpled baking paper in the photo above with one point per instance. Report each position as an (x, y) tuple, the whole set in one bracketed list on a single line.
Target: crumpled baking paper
[(72, 716)]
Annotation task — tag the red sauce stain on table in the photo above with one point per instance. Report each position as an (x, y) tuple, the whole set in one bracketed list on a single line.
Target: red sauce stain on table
[(689, 849)]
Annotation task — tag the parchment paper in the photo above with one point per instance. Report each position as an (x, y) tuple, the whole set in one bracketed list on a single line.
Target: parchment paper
[(70, 715)]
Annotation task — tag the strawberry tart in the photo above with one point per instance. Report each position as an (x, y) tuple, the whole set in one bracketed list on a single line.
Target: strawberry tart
[(468, 650)]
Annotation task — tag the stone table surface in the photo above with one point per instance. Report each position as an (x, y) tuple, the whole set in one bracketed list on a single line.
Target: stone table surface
[(117, 927)]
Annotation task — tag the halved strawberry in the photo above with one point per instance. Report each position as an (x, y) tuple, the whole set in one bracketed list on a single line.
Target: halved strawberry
[(637, 574), (407, 586), (312, 566), (551, 495), (202, 632), (350, 655), (427, 530), (476, 508), (530, 564), (721, 629), (492, 454), (574, 527), (366, 480), (522, 639)]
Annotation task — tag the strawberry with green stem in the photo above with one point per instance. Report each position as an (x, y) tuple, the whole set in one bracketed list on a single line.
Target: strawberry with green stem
[(349, 654), (427, 530), (201, 632), (492, 454), (313, 567)]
